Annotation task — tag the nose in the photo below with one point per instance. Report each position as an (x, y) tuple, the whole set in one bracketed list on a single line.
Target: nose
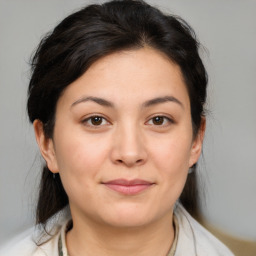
[(128, 147)]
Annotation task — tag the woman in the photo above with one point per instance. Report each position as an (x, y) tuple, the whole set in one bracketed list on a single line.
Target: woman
[(116, 99)]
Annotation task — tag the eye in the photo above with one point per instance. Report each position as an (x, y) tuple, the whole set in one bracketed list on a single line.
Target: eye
[(160, 121), (95, 121)]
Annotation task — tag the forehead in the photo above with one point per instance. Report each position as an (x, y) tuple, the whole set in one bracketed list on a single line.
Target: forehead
[(136, 75)]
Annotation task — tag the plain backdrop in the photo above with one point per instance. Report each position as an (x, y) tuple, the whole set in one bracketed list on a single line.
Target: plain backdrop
[(226, 28)]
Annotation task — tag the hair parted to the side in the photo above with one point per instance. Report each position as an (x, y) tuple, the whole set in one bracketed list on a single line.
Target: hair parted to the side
[(83, 38)]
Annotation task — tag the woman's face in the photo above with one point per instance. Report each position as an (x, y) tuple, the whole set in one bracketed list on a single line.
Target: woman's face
[(123, 139)]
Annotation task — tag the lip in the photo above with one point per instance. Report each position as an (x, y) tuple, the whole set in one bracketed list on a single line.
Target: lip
[(128, 187)]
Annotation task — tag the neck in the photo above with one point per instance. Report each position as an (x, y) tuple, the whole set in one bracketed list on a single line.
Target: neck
[(90, 238)]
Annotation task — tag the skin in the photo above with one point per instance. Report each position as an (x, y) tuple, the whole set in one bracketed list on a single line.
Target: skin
[(144, 132)]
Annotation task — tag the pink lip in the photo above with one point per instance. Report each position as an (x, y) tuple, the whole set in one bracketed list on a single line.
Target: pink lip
[(128, 187)]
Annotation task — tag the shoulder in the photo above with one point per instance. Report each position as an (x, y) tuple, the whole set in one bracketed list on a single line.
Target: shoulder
[(35, 241), (29, 244), (194, 238), (19, 245)]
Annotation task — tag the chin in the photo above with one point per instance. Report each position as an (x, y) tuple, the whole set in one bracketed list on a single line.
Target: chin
[(129, 218), (129, 222)]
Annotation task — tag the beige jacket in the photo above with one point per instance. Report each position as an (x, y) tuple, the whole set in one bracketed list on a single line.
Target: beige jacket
[(193, 240)]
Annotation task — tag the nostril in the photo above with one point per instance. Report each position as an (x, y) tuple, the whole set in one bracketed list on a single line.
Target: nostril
[(129, 162)]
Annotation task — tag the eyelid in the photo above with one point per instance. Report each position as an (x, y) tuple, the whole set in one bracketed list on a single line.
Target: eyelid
[(87, 118), (106, 121), (169, 119)]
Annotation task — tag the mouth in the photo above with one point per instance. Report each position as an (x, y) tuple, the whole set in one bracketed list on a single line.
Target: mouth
[(128, 187)]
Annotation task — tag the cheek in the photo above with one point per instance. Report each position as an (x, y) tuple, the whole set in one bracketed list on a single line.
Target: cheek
[(171, 159), (80, 160), (79, 155), (172, 154)]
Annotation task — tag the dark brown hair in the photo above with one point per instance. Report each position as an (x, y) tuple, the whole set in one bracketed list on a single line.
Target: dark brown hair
[(89, 34)]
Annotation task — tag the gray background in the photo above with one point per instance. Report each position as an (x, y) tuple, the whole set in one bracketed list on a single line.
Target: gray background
[(226, 28)]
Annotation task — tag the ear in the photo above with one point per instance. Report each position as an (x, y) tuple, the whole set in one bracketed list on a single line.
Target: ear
[(46, 146), (197, 144)]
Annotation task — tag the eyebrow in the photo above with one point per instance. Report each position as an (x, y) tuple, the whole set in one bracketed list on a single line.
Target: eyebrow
[(164, 99), (100, 101), (149, 103)]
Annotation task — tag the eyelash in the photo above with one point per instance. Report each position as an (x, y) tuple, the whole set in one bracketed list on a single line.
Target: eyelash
[(103, 121), (88, 121), (165, 119)]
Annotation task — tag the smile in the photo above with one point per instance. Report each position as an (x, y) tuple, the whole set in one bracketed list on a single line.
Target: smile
[(128, 187)]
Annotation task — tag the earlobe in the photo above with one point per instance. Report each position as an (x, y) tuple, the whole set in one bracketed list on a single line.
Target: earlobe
[(197, 144), (46, 146)]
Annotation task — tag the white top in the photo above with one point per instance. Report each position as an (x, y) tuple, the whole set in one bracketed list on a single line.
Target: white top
[(193, 240)]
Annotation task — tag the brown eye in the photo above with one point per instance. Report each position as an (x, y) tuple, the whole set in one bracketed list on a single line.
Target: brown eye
[(162, 121), (96, 120), (158, 120)]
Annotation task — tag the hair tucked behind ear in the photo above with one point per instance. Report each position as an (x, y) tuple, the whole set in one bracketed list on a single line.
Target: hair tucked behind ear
[(52, 192), (91, 33), (190, 195)]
